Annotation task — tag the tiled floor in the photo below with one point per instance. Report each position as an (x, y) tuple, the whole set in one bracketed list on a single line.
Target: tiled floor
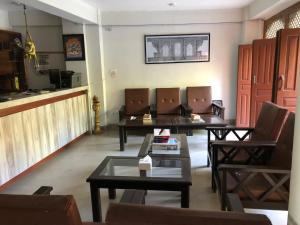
[(68, 171)]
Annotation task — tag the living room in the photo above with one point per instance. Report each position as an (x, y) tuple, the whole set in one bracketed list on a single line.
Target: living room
[(58, 123)]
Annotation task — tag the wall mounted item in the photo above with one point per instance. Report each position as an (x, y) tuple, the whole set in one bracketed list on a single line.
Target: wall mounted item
[(74, 47), (177, 48)]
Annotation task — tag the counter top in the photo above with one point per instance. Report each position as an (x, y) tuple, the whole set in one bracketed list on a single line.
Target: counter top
[(38, 97)]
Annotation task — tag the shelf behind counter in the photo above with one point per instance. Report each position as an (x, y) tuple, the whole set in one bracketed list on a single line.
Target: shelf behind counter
[(32, 128)]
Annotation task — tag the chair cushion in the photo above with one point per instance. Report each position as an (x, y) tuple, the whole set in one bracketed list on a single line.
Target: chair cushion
[(38, 209), (269, 122), (168, 101), (137, 101), (199, 99)]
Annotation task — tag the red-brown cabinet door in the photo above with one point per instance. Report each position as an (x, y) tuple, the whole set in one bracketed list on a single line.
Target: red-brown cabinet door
[(263, 61), (244, 85), (287, 68)]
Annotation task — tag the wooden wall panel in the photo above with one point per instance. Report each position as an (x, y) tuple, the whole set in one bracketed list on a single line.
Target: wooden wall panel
[(29, 136), (244, 85)]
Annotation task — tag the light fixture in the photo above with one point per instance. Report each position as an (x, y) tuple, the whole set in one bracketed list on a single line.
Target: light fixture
[(172, 4)]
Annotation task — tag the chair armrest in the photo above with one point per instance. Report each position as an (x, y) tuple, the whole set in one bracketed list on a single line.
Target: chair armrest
[(186, 110), (126, 214), (230, 128), (153, 110), (122, 112), (43, 190), (218, 110), (244, 144)]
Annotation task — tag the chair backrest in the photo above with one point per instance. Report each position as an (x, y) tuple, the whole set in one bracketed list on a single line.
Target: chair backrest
[(167, 101), (269, 122), (38, 209), (130, 214), (199, 99), (282, 155), (137, 101)]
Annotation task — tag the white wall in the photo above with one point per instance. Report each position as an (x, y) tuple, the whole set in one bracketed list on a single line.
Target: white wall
[(46, 32), (294, 200), (4, 21), (124, 52)]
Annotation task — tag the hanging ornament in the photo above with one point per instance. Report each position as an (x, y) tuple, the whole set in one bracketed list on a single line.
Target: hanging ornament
[(30, 49)]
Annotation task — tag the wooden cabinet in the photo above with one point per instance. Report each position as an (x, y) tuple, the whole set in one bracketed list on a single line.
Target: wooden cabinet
[(270, 74), (263, 59), (244, 85), (12, 71), (287, 68)]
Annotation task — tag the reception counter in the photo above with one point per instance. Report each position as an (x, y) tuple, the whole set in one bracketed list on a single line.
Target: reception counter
[(32, 128)]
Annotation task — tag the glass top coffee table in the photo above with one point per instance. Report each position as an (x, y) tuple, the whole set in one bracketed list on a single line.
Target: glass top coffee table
[(169, 174), (183, 151)]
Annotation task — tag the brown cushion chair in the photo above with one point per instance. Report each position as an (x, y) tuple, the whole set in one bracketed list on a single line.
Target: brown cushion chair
[(199, 101), (137, 103), (168, 101), (263, 185), (268, 126), (62, 210)]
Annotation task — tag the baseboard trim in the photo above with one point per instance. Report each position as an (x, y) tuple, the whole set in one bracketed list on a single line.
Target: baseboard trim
[(38, 164)]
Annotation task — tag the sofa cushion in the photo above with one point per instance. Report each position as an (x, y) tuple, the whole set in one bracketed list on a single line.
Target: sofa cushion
[(199, 99), (137, 101), (168, 101)]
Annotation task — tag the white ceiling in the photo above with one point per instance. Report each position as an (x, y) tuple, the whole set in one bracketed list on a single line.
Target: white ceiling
[(162, 5)]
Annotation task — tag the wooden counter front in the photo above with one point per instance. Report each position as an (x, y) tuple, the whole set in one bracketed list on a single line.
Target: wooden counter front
[(31, 130)]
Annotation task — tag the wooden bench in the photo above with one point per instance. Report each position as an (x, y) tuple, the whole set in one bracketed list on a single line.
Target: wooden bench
[(133, 196)]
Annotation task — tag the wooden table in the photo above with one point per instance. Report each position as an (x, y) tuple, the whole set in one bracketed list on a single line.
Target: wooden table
[(175, 123), (115, 172)]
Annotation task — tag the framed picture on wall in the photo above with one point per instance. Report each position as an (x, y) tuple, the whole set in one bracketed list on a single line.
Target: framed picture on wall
[(73, 47), (180, 48)]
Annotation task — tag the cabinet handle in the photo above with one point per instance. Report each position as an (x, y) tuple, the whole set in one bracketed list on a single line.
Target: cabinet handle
[(281, 79), (254, 79)]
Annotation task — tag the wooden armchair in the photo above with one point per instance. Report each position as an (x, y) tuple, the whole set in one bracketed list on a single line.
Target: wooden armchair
[(137, 103), (267, 129), (40, 208), (199, 101), (264, 181)]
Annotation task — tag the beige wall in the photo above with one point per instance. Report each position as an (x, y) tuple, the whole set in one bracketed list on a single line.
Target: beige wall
[(46, 32), (294, 200), (4, 22), (124, 53)]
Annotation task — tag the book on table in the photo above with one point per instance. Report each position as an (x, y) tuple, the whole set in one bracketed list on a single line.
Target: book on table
[(170, 144)]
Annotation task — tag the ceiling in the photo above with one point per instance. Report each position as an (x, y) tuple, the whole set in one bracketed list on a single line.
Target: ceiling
[(163, 5)]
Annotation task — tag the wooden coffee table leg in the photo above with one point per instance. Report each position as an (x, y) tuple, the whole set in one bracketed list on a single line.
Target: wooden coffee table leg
[(96, 203), (112, 193), (125, 135), (121, 137), (185, 197)]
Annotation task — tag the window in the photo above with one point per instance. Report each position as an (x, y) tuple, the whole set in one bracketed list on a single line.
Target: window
[(288, 18), (294, 20), (273, 28)]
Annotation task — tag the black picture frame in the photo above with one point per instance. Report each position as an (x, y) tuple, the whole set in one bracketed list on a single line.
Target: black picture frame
[(177, 48), (74, 49)]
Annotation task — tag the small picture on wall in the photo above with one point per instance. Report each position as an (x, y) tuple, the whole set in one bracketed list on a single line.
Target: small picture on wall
[(74, 47), (177, 48)]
